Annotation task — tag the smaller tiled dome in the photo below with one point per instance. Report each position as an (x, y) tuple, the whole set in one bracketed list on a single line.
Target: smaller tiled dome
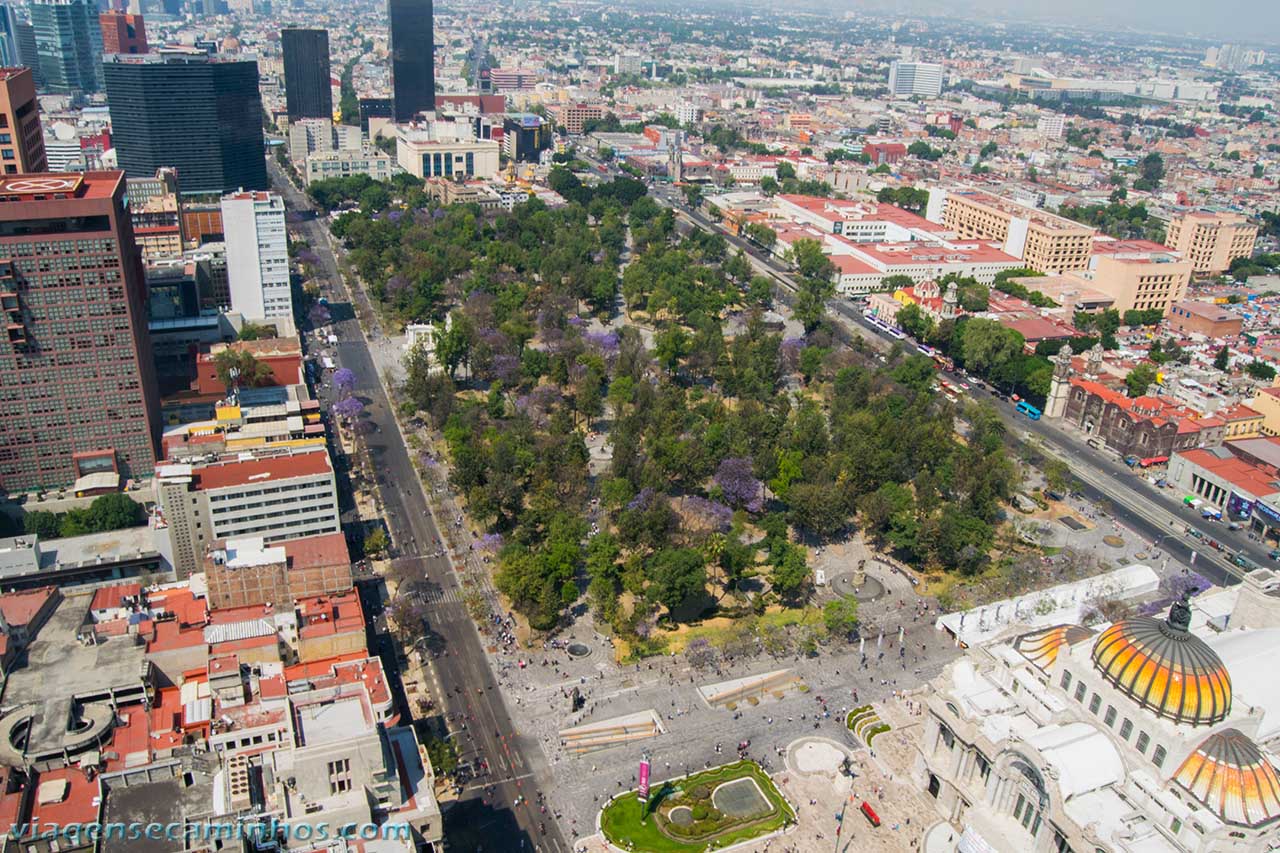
[(1042, 647), (1232, 778)]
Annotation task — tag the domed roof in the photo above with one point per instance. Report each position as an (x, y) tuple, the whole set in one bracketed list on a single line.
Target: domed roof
[(1042, 647), (1162, 666), (1230, 775)]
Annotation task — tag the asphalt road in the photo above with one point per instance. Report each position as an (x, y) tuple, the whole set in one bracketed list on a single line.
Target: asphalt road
[(467, 688)]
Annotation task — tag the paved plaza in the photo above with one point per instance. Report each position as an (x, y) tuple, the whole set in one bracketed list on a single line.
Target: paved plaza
[(698, 735)]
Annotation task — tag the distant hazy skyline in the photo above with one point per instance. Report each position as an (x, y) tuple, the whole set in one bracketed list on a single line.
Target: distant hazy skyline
[(1253, 21)]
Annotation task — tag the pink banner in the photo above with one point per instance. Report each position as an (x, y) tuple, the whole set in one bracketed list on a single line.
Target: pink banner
[(644, 781)]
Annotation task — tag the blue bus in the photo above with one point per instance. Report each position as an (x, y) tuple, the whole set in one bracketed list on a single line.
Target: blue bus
[(1029, 410)]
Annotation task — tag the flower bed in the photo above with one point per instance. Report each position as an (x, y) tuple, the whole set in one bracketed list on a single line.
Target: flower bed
[(626, 827)]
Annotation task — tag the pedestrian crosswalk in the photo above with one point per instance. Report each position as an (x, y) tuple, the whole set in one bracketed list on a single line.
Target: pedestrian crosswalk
[(442, 596)]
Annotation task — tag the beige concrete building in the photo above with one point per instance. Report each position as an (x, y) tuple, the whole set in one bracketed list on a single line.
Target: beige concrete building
[(1043, 241), (574, 117), (1211, 241), (1267, 403), (343, 164), (1139, 283), (443, 150)]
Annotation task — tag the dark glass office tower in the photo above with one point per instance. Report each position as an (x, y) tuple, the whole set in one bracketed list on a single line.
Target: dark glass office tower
[(306, 73), (69, 45), (413, 61), (199, 114)]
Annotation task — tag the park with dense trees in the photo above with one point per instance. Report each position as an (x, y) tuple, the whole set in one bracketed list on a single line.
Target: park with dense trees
[(731, 448)]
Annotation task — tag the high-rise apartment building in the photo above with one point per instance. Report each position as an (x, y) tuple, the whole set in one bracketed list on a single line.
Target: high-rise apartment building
[(122, 33), (1043, 241), (199, 114), (413, 62), (915, 78), (1211, 241), (306, 73), (77, 386), (69, 45), (21, 137), (258, 256)]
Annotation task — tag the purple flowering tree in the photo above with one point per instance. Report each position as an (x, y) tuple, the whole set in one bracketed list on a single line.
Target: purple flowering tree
[(791, 349), (506, 368), (491, 542), (348, 408), (1175, 586), (344, 381), (712, 514), (603, 343), (643, 499), (396, 287), (700, 653), (740, 487), (319, 315)]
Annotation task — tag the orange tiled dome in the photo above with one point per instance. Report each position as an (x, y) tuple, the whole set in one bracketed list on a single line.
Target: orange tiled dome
[(1231, 776), (1162, 666)]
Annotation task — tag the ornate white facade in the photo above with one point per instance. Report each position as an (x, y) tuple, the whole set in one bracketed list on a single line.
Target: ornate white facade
[(1150, 735)]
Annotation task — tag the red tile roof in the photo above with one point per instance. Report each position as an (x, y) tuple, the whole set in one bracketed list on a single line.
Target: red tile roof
[(188, 610), (1256, 481), (324, 615), (81, 802), (1157, 410), (168, 636), (130, 737), (329, 549), (19, 608), (239, 473), (111, 597)]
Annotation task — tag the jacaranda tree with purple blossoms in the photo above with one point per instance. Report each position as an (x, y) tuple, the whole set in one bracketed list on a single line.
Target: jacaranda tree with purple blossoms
[(740, 487), (348, 408), (344, 381)]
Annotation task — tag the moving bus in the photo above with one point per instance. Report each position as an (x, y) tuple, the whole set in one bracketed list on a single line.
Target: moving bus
[(1029, 410)]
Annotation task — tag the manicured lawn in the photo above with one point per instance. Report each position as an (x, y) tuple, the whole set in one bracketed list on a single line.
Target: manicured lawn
[(621, 817)]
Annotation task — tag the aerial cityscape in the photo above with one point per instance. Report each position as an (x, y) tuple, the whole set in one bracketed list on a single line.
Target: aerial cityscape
[(647, 426)]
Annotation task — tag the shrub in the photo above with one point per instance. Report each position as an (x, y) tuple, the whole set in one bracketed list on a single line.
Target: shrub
[(700, 792), (700, 811)]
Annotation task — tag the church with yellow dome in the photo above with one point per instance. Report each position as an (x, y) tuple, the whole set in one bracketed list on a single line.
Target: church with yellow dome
[(1152, 734)]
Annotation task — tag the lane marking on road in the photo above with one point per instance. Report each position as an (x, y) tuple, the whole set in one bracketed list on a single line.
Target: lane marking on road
[(497, 782)]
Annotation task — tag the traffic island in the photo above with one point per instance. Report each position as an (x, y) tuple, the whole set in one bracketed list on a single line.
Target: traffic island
[(709, 810)]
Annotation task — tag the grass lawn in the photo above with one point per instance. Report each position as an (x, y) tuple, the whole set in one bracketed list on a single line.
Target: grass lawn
[(716, 630), (621, 824)]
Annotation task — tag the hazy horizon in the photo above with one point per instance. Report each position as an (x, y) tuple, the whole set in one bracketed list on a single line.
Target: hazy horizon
[(1253, 21)]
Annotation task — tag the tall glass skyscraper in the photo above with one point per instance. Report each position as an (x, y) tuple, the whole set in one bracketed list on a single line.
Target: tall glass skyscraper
[(9, 37), (69, 45), (306, 73), (198, 114), (413, 61)]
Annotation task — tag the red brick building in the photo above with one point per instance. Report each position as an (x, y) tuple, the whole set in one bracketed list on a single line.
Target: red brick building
[(122, 33)]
